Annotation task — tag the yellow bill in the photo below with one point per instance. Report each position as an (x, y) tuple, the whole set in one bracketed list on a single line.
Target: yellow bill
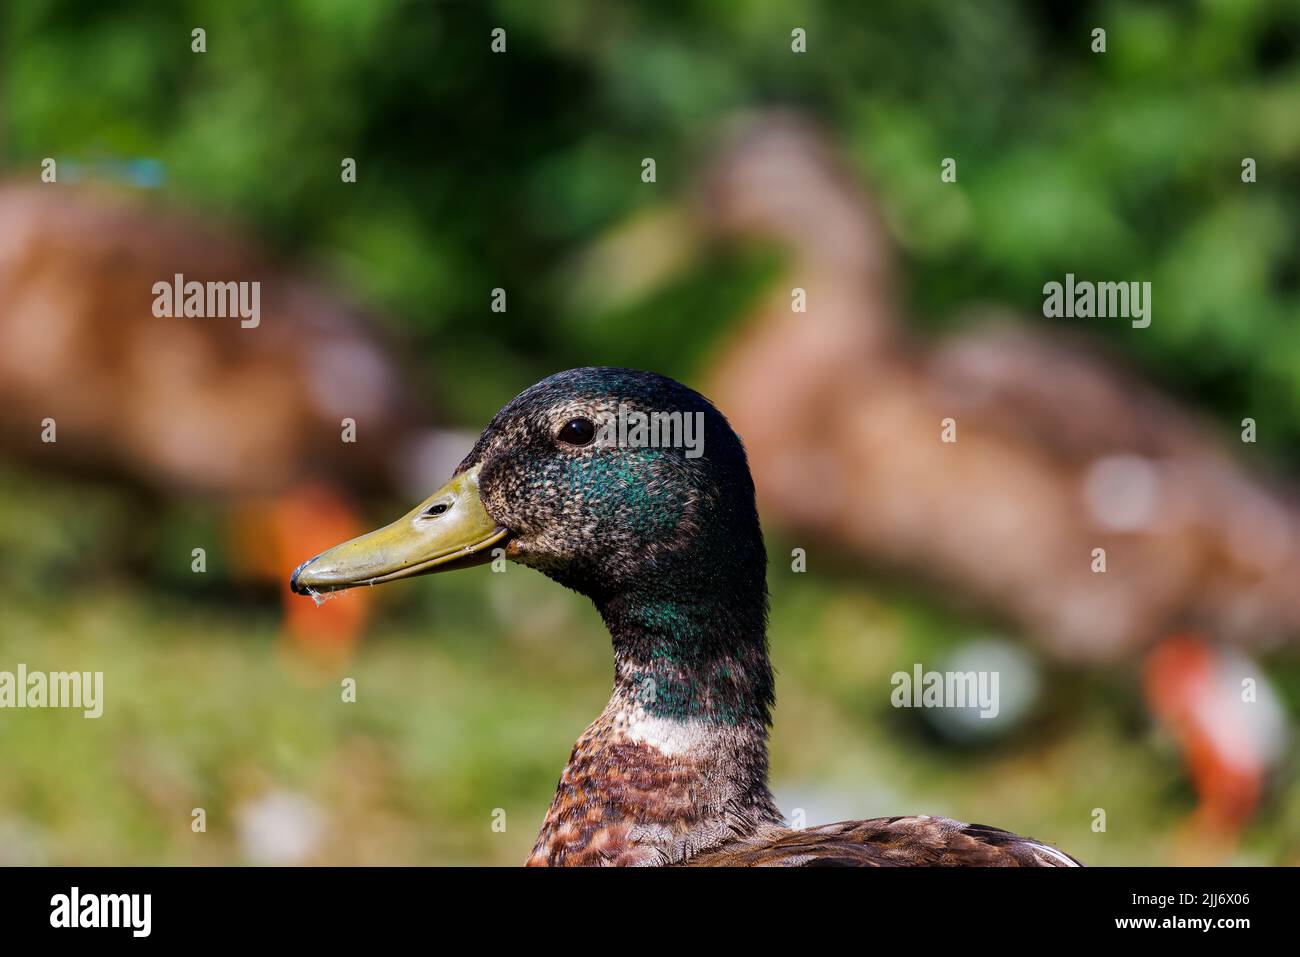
[(450, 529)]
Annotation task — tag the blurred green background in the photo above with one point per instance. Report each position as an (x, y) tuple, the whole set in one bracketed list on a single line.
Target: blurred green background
[(479, 171)]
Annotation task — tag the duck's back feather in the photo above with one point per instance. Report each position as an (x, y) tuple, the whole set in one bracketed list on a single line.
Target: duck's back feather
[(888, 842)]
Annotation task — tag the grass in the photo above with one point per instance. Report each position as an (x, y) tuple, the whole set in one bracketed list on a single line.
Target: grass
[(471, 689)]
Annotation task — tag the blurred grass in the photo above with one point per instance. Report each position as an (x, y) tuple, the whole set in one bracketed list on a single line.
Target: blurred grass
[(471, 691)]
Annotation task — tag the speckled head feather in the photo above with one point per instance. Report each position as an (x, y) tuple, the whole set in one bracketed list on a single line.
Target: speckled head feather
[(604, 519)]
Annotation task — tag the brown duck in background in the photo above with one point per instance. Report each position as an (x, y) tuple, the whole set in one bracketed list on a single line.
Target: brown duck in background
[(196, 407), (1060, 450), (668, 547)]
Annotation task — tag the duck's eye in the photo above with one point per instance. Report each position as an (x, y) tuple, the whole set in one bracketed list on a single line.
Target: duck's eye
[(577, 432), (437, 509)]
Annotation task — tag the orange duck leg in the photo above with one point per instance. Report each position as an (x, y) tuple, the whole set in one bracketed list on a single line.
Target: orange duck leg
[(1201, 705), (284, 531)]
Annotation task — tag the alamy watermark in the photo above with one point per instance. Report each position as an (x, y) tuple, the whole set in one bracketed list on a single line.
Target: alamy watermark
[(53, 689), (133, 912), (209, 300), (1102, 300), (946, 689), (632, 429)]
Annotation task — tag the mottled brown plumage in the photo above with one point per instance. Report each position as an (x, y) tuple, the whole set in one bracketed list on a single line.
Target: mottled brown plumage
[(183, 405), (888, 842), (623, 801), (609, 789)]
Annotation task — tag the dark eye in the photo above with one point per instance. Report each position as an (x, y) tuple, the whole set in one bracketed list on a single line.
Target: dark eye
[(437, 509), (577, 432)]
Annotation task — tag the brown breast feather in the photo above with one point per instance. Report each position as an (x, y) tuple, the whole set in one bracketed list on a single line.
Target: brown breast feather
[(610, 792)]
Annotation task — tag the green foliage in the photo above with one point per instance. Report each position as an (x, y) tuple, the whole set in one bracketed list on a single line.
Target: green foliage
[(478, 170)]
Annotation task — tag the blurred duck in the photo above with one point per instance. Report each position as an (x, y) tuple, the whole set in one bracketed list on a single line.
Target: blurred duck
[(669, 549), (251, 416), (1059, 451)]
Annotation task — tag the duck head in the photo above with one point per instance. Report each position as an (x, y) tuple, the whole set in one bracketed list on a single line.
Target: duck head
[(619, 484), (632, 489)]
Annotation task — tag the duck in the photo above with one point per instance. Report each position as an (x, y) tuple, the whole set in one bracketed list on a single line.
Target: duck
[(246, 420), (1058, 445), (666, 542), (1062, 452)]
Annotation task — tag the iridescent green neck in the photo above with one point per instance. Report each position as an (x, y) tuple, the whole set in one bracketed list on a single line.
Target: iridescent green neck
[(695, 649)]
